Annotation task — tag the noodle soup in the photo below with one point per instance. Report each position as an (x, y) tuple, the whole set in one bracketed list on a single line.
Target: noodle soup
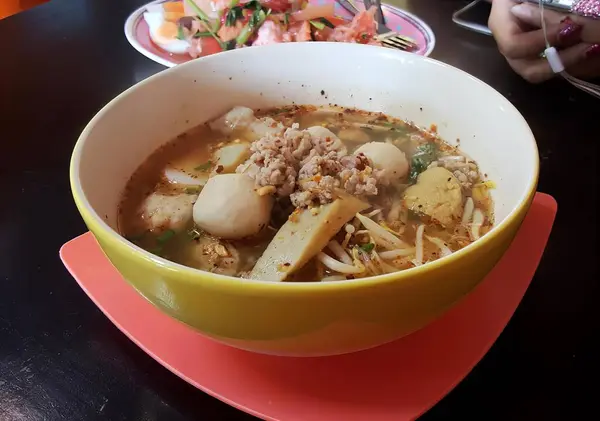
[(301, 193)]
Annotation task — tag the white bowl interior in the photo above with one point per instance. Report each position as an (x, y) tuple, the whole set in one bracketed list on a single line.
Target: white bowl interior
[(403, 85)]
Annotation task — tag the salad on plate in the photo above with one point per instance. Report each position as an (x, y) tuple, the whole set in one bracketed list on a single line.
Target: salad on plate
[(201, 27)]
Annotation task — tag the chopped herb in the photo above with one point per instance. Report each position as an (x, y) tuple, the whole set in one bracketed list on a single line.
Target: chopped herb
[(204, 18), (286, 18), (165, 236), (326, 22), (319, 25), (368, 247), (258, 17), (229, 45), (233, 15), (253, 4), (180, 33), (236, 12), (192, 190), (204, 167), (202, 34), (424, 155)]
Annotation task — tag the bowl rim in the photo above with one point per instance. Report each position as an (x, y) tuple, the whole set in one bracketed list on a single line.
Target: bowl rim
[(231, 283)]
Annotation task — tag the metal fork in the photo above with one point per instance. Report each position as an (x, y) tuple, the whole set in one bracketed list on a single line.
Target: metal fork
[(385, 35)]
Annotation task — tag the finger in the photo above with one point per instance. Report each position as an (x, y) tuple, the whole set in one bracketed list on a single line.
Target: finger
[(501, 21), (523, 45), (589, 28), (539, 70), (561, 31), (532, 15)]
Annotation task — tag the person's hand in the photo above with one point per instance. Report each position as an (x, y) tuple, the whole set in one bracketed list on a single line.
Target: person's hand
[(516, 28), (585, 29)]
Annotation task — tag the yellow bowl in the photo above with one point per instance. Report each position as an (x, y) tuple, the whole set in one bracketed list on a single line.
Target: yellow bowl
[(305, 319)]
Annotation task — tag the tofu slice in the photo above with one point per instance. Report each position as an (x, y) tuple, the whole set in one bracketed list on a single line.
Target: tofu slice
[(229, 157), (303, 236)]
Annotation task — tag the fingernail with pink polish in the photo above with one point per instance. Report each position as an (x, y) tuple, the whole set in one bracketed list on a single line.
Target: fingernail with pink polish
[(571, 33), (593, 51)]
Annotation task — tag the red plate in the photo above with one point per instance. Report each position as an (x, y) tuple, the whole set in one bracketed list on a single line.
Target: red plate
[(397, 381)]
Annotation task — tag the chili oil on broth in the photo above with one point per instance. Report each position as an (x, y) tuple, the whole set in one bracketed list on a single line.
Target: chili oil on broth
[(193, 152)]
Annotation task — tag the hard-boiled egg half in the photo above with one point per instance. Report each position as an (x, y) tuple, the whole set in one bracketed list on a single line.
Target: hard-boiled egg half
[(162, 24)]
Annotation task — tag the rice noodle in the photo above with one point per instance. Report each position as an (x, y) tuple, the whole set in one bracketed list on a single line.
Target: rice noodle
[(180, 177), (394, 254), (339, 252), (444, 249), (468, 211), (478, 219), (336, 265), (379, 234), (419, 246)]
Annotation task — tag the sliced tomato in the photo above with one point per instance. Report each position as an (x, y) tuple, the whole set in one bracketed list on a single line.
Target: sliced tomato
[(210, 46), (336, 20)]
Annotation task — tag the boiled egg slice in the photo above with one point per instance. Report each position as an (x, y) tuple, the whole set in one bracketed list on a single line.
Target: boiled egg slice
[(163, 29)]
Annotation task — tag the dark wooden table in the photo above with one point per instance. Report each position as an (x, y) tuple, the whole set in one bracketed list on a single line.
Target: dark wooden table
[(61, 359)]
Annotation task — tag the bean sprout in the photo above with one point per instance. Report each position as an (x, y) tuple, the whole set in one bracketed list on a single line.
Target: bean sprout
[(478, 219), (444, 249), (336, 265), (387, 268), (468, 212), (418, 261), (339, 252), (379, 234), (394, 254)]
